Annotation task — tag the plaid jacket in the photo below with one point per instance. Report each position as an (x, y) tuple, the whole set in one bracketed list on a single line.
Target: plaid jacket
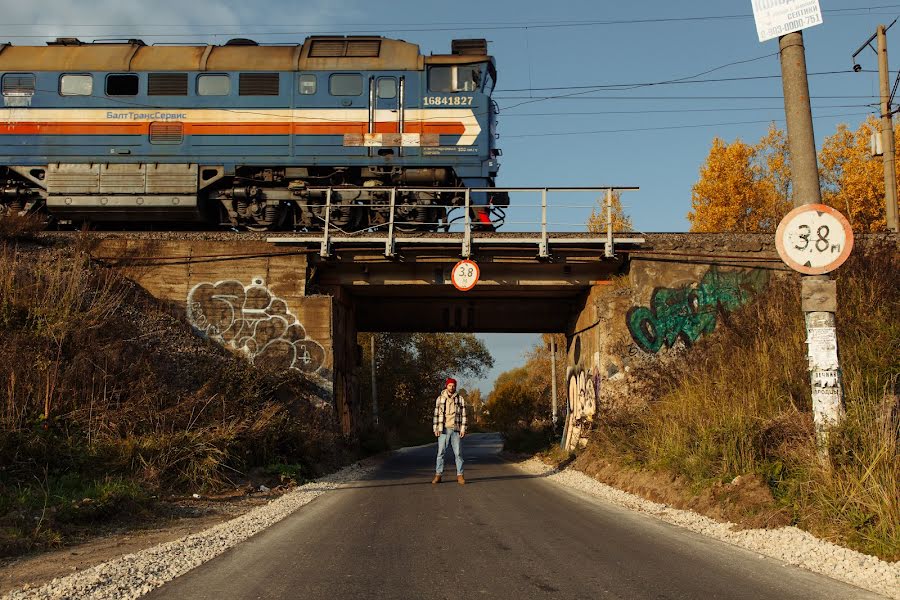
[(439, 422)]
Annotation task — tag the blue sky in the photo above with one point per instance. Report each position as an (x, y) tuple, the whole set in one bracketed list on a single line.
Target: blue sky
[(653, 136)]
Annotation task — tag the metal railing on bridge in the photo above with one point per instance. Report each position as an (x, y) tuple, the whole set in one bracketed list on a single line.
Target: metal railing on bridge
[(471, 232)]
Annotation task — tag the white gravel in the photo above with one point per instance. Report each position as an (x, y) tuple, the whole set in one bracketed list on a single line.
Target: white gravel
[(133, 575), (789, 545)]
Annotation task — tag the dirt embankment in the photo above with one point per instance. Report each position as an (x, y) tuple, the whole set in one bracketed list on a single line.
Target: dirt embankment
[(109, 401)]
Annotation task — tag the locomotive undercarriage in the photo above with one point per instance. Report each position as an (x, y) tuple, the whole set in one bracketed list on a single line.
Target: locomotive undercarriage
[(286, 198), (348, 199), (17, 197)]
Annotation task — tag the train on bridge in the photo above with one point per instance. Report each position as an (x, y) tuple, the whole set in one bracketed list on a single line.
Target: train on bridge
[(354, 130)]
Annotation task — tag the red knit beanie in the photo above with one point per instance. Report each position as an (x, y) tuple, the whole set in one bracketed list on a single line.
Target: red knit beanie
[(449, 381)]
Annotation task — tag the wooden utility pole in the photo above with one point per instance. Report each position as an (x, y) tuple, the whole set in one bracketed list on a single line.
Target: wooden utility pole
[(553, 377), (374, 388), (818, 292), (887, 133)]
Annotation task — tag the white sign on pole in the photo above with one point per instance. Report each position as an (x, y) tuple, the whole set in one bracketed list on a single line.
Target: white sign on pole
[(814, 239), (775, 18)]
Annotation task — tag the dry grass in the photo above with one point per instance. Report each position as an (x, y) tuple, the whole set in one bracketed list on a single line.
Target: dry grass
[(100, 383), (14, 227), (738, 403)]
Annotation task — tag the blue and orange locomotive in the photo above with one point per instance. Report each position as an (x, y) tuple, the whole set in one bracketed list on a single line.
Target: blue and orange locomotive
[(248, 135)]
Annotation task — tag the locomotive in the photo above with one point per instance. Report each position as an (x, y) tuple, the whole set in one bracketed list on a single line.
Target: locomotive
[(347, 129)]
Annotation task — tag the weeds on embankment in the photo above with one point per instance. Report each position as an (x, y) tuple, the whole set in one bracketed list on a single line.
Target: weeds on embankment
[(107, 399), (738, 403)]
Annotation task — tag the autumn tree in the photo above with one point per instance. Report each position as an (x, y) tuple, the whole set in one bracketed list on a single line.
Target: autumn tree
[(597, 222), (852, 179), (743, 187), (748, 188), (521, 397), (410, 371), (475, 405)]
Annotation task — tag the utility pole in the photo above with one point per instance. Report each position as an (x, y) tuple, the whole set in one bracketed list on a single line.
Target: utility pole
[(818, 292), (553, 377), (374, 389), (887, 133)]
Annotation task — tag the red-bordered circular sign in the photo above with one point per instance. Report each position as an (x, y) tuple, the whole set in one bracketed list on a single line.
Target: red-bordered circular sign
[(814, 239), (465, 275)]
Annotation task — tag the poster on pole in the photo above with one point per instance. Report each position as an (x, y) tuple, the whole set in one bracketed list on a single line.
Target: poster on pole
[(775, 18)]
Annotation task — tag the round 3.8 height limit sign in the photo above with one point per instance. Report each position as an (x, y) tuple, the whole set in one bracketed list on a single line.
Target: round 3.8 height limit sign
[(814, 239), (465, 275)]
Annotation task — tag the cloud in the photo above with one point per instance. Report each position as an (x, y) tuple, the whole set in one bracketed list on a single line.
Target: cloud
[(35, 22)]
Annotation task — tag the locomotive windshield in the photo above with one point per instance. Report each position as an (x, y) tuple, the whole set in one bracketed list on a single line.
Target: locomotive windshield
[(462, 78)]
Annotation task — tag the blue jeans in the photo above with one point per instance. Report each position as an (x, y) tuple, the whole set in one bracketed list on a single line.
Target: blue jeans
[(453, 436)]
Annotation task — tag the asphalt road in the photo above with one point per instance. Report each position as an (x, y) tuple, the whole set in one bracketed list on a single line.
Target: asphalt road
[(503, 535)]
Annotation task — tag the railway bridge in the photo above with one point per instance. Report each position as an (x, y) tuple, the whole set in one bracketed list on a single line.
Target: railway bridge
[(297, 302)]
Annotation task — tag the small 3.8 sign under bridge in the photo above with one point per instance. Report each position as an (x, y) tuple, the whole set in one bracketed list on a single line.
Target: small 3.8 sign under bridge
[(814, 239), (465, 275)]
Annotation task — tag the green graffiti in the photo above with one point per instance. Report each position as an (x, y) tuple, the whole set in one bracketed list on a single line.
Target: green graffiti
[(691, 311)]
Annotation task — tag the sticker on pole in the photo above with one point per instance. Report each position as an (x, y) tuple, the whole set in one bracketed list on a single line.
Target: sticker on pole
[(775, 18), (465, 275), (814, 239)]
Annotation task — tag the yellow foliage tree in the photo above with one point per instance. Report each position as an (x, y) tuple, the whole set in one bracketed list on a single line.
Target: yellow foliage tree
[(742, 187), (620, 221), (852, 179), (748, 188)]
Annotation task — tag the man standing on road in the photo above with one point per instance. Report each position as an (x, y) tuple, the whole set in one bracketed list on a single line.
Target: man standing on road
[(449, 425)]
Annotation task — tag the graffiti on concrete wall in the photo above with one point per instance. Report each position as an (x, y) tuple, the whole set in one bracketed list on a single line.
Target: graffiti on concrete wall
[(584, 392), (688, 312), (253, 320)]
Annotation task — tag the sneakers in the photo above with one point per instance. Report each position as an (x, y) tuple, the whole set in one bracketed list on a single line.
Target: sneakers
[(437, 478)]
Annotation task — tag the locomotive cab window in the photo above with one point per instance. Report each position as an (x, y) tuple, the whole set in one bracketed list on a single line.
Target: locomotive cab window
[(76, 85), (345, 84), (462, 78), (213, 85), (387, 87), (18, 84), (307, 84), (122, 85)]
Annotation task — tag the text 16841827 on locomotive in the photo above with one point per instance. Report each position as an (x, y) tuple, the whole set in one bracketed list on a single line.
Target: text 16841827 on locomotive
[(248, 135)]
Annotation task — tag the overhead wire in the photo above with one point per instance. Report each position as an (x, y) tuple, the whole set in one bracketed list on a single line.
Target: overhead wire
[(580, 93), (664, 127), (449, 26)]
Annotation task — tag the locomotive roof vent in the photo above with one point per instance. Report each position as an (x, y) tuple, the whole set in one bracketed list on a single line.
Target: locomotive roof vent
[(477, 46), (129, 41), (66, 41), (241, 42), (344, 47)]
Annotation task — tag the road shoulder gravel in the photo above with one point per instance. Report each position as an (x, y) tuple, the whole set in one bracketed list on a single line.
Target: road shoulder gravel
[(133, 575), (790, 545)]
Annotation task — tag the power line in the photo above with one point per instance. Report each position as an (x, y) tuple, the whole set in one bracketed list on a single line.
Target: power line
[(848, 11), (664, 127), (429, 27), (674, 111), (603, 86), (741, 97)]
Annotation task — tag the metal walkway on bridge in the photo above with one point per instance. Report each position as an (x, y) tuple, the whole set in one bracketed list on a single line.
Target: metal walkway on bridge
[(472, 234)]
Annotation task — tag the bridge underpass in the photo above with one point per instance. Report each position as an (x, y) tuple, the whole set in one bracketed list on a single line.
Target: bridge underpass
[(517, 292), (297, 303)]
